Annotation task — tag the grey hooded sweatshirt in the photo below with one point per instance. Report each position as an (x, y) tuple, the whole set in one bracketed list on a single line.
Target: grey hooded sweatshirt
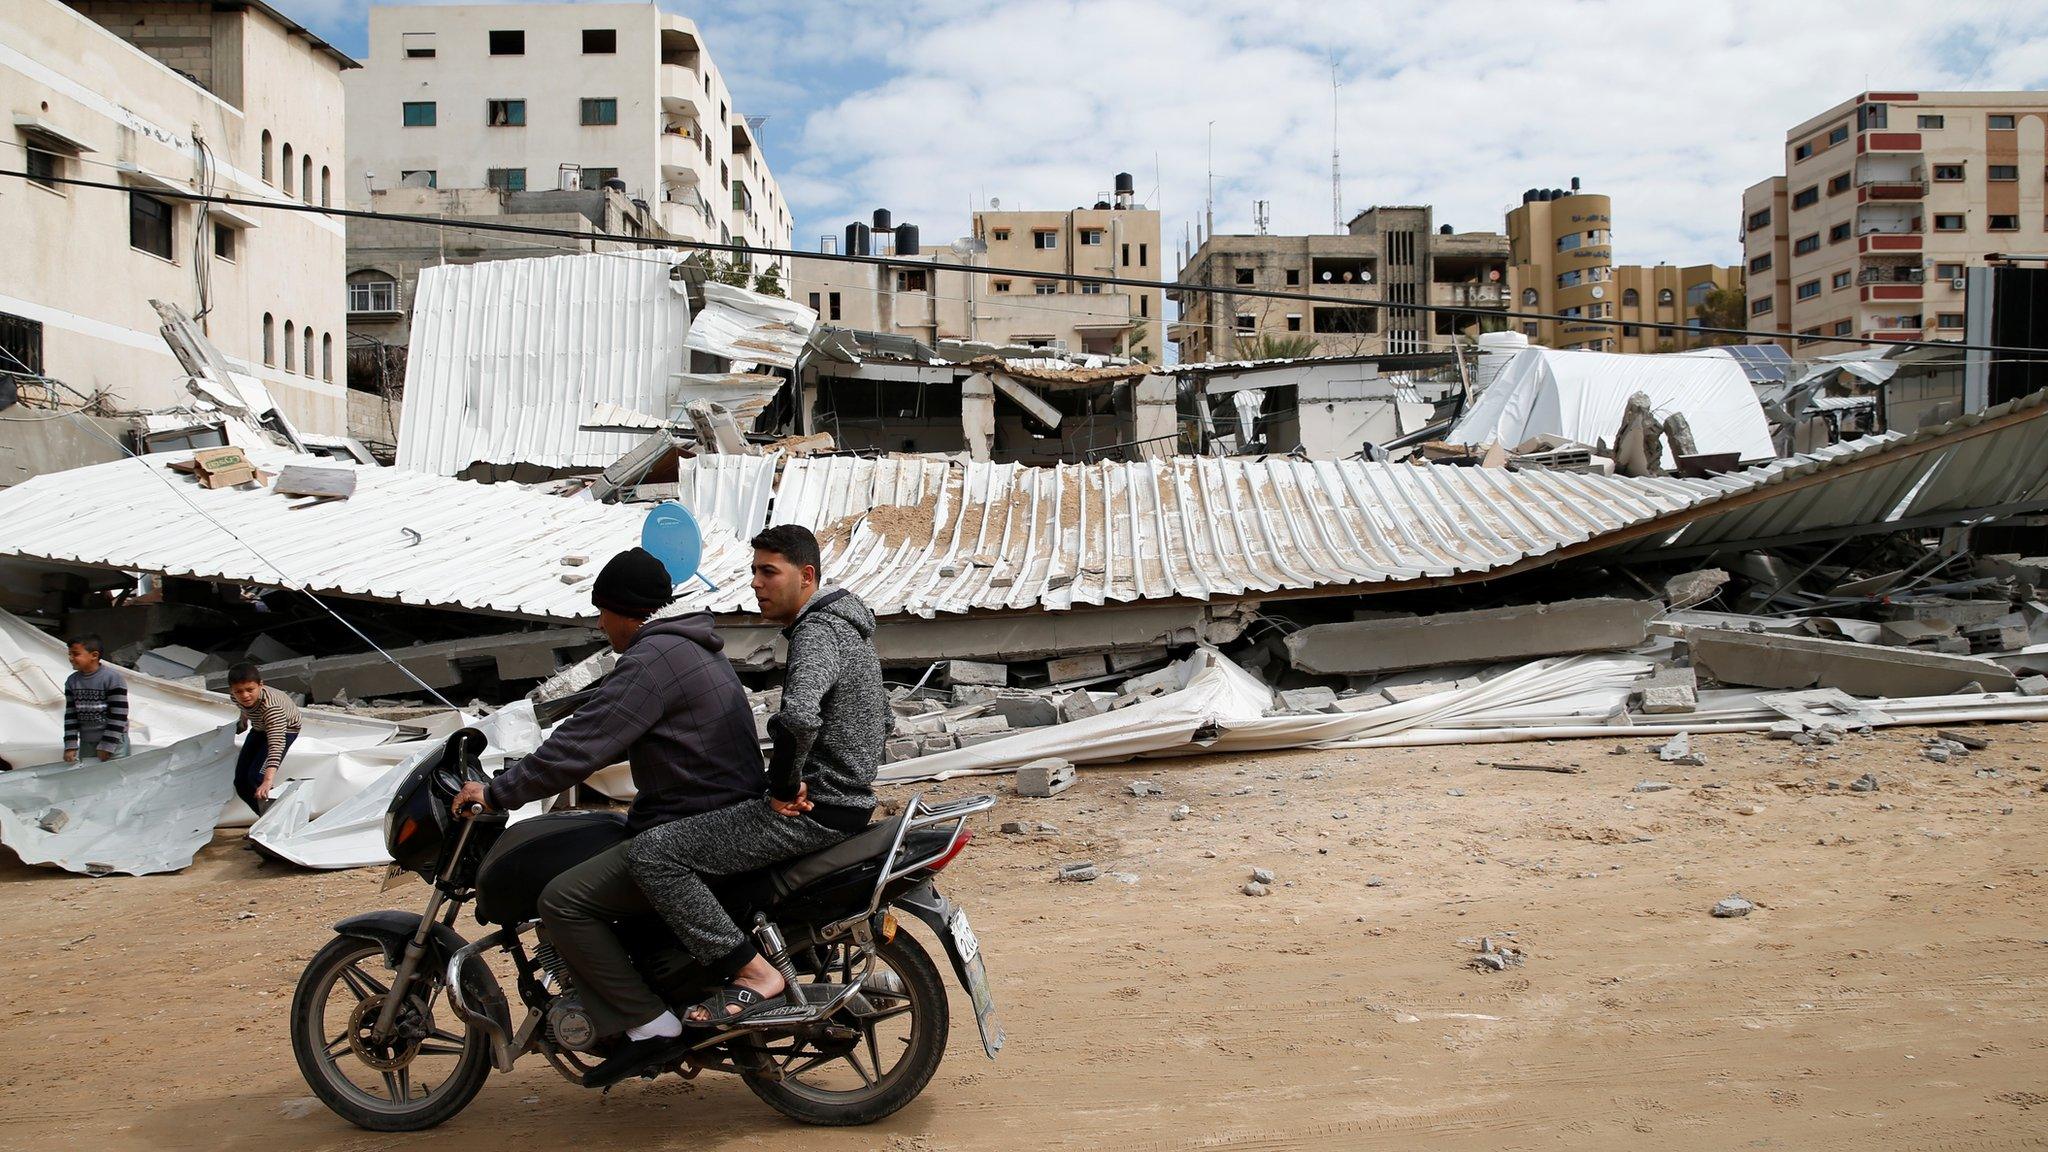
[(835, 712)]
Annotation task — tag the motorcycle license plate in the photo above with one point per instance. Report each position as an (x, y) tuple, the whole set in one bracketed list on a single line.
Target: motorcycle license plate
[(974, 974), (963, 937)]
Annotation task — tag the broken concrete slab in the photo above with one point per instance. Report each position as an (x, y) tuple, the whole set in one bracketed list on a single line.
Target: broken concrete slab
[(979, 726), (1772, 661), (1402, 693), (1068, 668), (1690, 588), (1025, 710), (1125, 659), (1530, 631), (1913, 633), (973, 694), (1961, 613), (896, 750), (1822, 708), (1081, 705), (1670, 691), (942, 742), (960, 672), (1043, 778), (1306, 699)]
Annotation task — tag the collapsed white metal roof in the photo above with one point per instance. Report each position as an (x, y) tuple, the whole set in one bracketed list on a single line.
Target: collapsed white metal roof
[(508, 358), (745, 326)]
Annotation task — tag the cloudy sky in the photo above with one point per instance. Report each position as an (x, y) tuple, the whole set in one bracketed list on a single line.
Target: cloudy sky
[(929, 107)]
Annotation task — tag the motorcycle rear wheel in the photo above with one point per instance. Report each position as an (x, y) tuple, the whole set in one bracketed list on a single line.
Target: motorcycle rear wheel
[(329, 1040), (919, 993)]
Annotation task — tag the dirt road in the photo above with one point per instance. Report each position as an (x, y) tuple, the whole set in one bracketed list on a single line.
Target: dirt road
[(1889, 991)]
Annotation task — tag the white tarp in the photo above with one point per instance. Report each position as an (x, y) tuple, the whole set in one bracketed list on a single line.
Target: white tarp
[(138, 814), (1581, 396)]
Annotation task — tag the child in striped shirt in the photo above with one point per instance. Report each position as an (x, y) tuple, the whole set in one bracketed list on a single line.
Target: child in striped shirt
[(95, 704), (272, 721)]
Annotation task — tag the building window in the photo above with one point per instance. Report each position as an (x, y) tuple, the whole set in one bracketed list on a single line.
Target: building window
[(600, 41), (306, 179), (21, 343), (600, 110), (1293, 321), (1838, 233), (1569, 279), (44, 167), (596, 177), (1760, 219), (1528, 297), (2000, 124), (1144, 305), (1840, 280), (1948, 222), (1760, 306), (1294, 277), (506, 179), (1808, 290), (1043, 288), (1665, 297), (1246, 322), (1760, 263), (1091, 237), (1127, 255), (1091, 289), (1838, 184), (1002, 234), (1698, 293), (912, 281), (2000, 223), (1529, 329), (1043, 239), (326, 187), (150, 224), (306, 362), (327, 357), (1808, 335), (1948, 271), (372, 292), (285, 164), (290, 349), (2003, 173), (833, 300), (224, 242), (1948, 319), (1947, 173), (512, 43), (1930, 123), (1244, 276), (1142, 257), (1873, 117), (505, 113), (1630, 298), (419, 178), (419, 114), (1806, 197), (1802, 152), (1844, 327), (418, 45), (1002, 285), (1838, 135), (269, 340), (1806, 244), (266, 155), (1571, 242)]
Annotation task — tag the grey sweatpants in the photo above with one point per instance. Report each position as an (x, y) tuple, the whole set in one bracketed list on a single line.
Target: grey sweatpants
[(578, 908), (670, 863)]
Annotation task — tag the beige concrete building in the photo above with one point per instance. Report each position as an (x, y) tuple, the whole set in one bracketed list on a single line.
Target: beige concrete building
[(1117, 237), (526, 97), (171, 95), (1886, 200), (1390, 255), (1563, 240)]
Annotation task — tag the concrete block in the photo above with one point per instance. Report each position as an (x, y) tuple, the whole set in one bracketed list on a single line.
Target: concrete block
[(919, 725), (960, 672), (1960, 613), (1080, 705), (1688, 589), (896, 750), (973, 694), (1047, 777), (1402, 693), (2034, 686), (984, 737), (1358, 647), (1152, 683), (1363, 702), (1068, 668), (1671, 690), (943, 742), (1774, 661), (1306, 699), (978, 726), (1028, 710)]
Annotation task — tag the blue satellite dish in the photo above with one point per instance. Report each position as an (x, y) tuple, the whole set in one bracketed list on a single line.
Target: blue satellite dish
[(672, 536)]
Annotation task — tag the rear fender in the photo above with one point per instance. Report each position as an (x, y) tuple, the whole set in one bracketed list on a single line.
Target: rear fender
[(925, 903)]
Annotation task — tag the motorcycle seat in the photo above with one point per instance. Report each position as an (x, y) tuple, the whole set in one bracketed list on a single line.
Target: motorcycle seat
[(848, 853)]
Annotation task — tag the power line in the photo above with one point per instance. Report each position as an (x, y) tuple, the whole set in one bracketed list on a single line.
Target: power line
[(980, 269)]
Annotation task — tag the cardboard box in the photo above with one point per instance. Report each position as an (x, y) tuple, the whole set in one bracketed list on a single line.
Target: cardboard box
[(223, 467)]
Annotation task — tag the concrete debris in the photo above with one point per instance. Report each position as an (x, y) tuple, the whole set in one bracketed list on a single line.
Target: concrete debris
[(1081, 873), (1733, 906), (1529, 631), (1864, 783), (1262, 875), (1652, 786), (1066, 669), (1043, 778), (1670, 691), (1145, 788), (1678, 750), (1973, 743), (1769, 661), (1402, 693), (1254, 888), (1494, 956), (1025, 710), (960, 672), (1690, 589), (1179, 813), (1307, 699)]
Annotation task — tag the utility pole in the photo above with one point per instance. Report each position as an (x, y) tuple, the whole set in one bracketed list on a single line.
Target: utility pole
[(1336, 179)]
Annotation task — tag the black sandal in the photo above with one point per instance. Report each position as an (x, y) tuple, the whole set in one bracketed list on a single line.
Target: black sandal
[(751, 1004)]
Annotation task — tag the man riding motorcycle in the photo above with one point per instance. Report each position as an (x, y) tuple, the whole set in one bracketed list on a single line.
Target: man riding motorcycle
[(675, 709)]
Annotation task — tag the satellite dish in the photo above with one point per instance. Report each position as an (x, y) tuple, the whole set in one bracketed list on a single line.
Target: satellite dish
[(1599, 292), (994, 205), (1365, 277), (1493, 274), (671, 534)]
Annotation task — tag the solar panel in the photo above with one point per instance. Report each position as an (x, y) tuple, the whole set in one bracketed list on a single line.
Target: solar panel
[(1762, 363)]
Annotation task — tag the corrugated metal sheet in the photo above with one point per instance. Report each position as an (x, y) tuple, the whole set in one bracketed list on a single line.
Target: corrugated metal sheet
[(736, 491), (404, 536), (509, 357), (745, 326)]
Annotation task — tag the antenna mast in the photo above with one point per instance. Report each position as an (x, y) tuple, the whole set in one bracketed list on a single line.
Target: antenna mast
[(1336, 179), (1209, 203)]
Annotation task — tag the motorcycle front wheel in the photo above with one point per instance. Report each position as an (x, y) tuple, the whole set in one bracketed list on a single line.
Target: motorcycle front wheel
[(429, 1071)]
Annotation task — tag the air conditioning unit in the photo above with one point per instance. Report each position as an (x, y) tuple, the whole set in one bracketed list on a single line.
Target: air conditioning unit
[(1959, 283)]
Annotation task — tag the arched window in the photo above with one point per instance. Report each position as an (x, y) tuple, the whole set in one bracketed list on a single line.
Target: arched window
[(1529, 297), (286, 174), (326, 201), (372, 290), (269, 339), (327, 357), (266, 156), (306, 178), (1664, 296), (306, 364), (1630, 298), (288, 351), (1697, 294)]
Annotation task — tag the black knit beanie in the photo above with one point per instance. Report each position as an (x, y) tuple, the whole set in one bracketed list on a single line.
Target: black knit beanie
[(634, 584)]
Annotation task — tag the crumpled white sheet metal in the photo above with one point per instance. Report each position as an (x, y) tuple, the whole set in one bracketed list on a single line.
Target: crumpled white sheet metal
[(748, 327), (1581, 396), (351, 833), (140, 814), (404, 536), (509, 357), (736, 491)]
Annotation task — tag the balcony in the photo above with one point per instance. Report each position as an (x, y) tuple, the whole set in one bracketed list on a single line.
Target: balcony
[(681, 89), (1469, 295), (1907, 184), (682, 159), (1892, 274)]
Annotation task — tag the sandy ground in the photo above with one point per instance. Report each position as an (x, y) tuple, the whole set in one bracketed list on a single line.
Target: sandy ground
[(1889, 991)]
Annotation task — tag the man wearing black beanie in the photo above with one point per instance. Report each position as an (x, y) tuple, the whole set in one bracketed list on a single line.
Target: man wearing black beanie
[(675, 709)]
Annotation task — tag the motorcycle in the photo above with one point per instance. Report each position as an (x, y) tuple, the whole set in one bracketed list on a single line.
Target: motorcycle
[(398, 1020)]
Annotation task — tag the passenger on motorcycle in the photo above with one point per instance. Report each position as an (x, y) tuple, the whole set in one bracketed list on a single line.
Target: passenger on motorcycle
[(675, 709), (828, 747)]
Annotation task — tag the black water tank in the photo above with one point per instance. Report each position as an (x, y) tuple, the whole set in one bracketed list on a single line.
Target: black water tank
[(857, 239), (1444, 230), (882, 219), (1557, 193), (1101, 204), (615, 184), (906, 239), (1528, 195), (1124, 184), (1575, 183)]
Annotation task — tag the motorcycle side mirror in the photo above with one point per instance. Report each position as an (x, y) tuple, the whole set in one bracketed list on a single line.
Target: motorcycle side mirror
[(671, 535)]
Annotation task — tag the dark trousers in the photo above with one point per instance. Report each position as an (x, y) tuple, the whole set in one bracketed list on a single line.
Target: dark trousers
[(249, 766), (578, 909)]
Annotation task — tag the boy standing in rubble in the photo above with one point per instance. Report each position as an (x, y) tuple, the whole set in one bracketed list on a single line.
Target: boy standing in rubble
[(95, 704)]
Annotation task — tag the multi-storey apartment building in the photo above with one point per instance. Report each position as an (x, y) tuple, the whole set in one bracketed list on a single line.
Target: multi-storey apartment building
[(1116, 237), (532, 96), (1886, 200), (1563, 240), (159, 97), (1390, 256)]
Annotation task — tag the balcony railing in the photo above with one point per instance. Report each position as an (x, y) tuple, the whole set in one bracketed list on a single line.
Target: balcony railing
[(1912, 186), (1898, 274)]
